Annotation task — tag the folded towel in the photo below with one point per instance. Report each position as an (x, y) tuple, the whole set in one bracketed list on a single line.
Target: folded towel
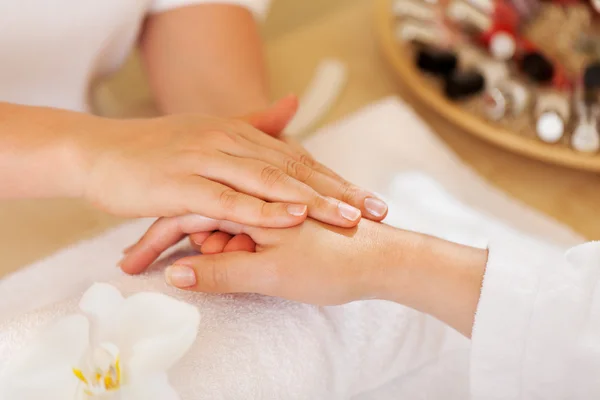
[(255, 347)]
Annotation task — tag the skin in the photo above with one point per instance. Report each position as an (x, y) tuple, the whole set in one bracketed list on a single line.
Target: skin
[(205, 58), (166, 166), (175, 46), (325, 265), (226, 168)]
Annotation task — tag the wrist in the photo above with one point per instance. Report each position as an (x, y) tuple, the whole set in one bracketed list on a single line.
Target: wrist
[(83, 144), (434, 276)]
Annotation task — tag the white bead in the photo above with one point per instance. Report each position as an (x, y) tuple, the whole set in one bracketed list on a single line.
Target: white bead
[(502, 46), (550, 127), (585, 138)]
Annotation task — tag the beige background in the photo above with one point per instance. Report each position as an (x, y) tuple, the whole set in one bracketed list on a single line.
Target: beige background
[(298, 34)]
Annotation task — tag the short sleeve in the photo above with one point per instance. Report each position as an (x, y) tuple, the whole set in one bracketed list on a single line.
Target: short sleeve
[(259, 8)]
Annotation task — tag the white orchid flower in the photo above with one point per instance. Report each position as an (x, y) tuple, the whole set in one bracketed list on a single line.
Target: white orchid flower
[(117, 349)]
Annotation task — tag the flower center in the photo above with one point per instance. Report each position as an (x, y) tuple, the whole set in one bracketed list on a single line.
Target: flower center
[(101, 372)]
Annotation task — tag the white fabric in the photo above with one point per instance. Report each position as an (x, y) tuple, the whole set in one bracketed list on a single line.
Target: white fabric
[(53, 50), (252, 347)]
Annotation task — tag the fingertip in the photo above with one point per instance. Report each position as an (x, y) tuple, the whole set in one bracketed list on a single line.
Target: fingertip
[(131, 265), (137, 260), (291, 100), (279, 215), (215, 243), (376, 209), (335, 212), (197, 239), (241, 242), (297, 210)]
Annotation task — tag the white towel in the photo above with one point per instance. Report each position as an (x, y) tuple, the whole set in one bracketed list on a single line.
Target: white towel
[(252, 347)]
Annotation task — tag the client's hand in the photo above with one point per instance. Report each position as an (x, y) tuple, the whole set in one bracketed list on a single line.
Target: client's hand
[(222, 168), (324, 265), (312, 262)]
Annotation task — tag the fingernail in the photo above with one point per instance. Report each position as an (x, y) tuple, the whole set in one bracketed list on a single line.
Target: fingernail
[(375, 206), (120, 263), (348, 212), (297, 210), (180, 276)]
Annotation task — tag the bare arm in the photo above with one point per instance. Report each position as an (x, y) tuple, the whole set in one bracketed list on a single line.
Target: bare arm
[(436, 277), (38, 151), (205, 58)]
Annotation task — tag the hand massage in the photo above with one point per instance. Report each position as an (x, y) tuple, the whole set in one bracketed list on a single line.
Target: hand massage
[(353, 266)]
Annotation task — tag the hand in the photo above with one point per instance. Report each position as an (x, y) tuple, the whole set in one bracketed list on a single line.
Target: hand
[(324, 265), (271, 121), (312, 262), (217, 167)]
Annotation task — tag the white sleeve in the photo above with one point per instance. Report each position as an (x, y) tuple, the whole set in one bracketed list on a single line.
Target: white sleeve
[(259, 8), (537, 327)]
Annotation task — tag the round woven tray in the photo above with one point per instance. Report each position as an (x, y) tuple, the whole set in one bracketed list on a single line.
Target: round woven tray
[(516, 135)]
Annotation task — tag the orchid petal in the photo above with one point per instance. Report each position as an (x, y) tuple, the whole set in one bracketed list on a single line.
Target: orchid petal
[(157, 329), (101, 302), (153, 387), (45, 369)]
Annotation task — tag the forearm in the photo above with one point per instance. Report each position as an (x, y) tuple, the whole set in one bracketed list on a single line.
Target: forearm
[(206, 58), (436, 277), (38, 151)]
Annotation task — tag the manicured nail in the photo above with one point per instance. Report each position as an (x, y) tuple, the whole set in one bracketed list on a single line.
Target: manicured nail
[(180, 276), (348, 212), (297, 210), (375, 207)]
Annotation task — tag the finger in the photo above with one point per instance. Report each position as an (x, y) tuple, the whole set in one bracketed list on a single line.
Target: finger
[(262, 180), (163, 233), (241, 242), (369, 205), (166, 232), (275, 118), (197, 239), (300, 150), (285, 145), (235, 272), (215, 243), (221, 202)]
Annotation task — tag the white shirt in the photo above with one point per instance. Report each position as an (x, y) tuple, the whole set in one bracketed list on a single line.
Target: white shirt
[(52, 50)]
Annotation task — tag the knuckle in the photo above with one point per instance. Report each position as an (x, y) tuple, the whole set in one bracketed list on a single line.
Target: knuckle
[(213, 278), (320, 202), (223, 136), (228, 200), (265, 210), (298, 170), (271, 176), (307, 160), (348, 192)]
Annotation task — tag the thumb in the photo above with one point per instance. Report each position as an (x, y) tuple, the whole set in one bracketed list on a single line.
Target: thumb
[(235, 272), (273, 119)]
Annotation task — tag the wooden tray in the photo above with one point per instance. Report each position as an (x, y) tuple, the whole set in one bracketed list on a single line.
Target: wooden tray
[(400, 57)]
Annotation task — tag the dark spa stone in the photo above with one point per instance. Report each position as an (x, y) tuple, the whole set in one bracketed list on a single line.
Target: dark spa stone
[(462, 84), (537, 67), (436, 62), (591, 76)]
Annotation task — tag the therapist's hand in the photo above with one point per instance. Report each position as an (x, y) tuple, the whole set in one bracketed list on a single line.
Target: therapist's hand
[(221, 168)]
